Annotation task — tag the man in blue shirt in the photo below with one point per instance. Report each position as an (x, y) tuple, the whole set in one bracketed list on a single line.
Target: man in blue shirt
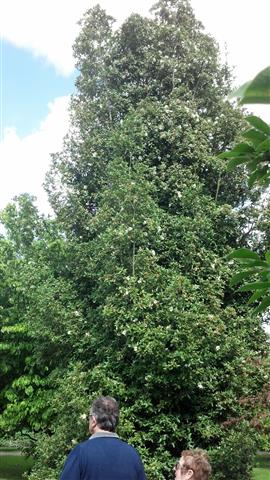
[(103, 456)]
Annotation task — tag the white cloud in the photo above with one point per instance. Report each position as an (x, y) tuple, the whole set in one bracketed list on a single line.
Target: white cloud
[(45, 27), (49, 27), (24, 161), (242, 30), (244, 27)]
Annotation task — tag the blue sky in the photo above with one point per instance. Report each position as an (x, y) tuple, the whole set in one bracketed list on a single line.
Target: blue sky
[(29, 84), (38, 73)]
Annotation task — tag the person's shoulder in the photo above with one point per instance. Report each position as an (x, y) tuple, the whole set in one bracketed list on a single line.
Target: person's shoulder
[(129, 447), (80, 447), (132, 455), (83, 444)]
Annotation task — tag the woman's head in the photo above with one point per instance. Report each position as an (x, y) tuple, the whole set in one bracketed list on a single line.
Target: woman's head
[(193, 465)]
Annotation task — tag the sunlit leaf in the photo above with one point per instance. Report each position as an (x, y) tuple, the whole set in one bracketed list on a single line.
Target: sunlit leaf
[(255, 136), (264, 146), (239, 92), (258, 123), (256, 90)]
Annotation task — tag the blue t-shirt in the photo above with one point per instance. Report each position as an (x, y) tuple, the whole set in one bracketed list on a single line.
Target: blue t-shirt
[(103, 458)]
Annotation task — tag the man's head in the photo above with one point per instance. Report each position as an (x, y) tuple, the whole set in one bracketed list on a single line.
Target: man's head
[(104, 415), (193, 465)]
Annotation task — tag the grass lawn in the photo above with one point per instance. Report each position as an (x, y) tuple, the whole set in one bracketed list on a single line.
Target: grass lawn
[(13, 466), (262, 469), (260, 473)]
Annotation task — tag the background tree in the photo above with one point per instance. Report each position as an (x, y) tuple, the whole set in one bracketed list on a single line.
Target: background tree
[(38, 307)]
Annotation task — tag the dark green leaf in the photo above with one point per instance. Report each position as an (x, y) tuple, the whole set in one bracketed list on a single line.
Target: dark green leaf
[(249, 263), (267, 256), (256, 90), (235, 162), (244, 253), (253, 165), (255, 296), (243, 148), (238, 150), (263, 306), (233, 154), (254, 286), (240, 276), (257, 175)]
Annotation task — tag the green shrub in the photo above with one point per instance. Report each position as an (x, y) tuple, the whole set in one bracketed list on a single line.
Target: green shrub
[(234, 458)]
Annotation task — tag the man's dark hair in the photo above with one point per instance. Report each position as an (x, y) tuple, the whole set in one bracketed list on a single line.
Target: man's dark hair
[(106, 412)]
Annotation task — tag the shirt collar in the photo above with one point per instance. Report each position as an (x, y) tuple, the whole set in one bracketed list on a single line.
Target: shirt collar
[(104, 434)]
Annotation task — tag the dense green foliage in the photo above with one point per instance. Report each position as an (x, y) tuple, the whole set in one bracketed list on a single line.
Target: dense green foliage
[(125, 292)]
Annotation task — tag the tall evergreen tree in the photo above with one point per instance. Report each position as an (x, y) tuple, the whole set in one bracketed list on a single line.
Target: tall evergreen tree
[(154, 213), (164, 79)]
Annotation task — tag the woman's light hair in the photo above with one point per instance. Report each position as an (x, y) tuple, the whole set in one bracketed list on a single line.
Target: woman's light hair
[(198, 461)]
